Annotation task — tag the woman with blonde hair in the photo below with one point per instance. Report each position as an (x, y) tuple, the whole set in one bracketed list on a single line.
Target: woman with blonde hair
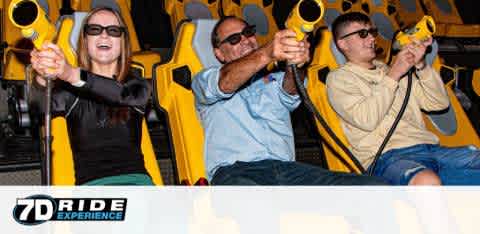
[(102, 102)]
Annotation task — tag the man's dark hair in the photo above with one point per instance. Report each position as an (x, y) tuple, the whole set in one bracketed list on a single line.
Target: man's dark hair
[(214, 37), (344, 20)]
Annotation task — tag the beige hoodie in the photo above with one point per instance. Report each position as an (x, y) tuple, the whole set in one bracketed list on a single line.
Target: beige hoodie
[(368, 101)]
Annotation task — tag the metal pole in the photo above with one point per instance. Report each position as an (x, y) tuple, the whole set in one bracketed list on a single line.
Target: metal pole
[(48, 134)]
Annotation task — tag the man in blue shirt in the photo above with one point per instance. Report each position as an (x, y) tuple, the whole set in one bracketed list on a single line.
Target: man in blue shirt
[(246, 116)]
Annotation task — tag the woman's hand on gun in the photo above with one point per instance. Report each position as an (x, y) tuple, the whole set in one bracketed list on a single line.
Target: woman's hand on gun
[(50, 62)]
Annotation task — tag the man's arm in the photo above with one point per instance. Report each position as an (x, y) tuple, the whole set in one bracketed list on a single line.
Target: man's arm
[(283, 47), (430, 91), (235, 73)]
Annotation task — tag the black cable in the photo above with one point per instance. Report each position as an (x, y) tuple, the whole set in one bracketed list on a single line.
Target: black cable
[(313, 110), (395, 122), (47, 165)]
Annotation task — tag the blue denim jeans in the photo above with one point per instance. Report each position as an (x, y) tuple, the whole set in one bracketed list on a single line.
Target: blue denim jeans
[(275, 172), (454, 166)]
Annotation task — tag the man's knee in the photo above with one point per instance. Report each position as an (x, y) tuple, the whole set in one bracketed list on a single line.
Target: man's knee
[(425, 177)]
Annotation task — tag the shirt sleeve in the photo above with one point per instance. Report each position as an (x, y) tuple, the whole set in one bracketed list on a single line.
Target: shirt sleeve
[(356, 108), (135, 92), (291, 102), (62, 99), (205, 87), (430, 91)]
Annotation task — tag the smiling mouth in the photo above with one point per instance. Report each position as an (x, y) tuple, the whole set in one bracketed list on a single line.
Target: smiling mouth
[(103, 46)]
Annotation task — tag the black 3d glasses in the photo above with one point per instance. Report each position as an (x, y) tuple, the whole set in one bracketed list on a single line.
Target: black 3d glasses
[(362, 33), (112, 30), (235, 38)]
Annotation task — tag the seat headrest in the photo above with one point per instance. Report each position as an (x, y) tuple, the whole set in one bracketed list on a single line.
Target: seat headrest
[(433, 54), (408, 5), (339, 57), (201, 42), (446, 123), (78, 17), (105, 3), (384, 25), (330, 15), (44, 5), (254, 15), (197, 10)]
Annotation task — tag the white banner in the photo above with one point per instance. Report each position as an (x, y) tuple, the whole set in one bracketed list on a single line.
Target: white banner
[(249, 210)]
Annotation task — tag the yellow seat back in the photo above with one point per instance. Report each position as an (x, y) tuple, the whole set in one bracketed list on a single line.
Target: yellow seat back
[(255, 12), (317, 90), (191, 9), (62, 159), (63, 170), (172, 82)]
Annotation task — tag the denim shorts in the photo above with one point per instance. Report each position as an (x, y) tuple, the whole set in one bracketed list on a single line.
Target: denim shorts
[(455, 166)]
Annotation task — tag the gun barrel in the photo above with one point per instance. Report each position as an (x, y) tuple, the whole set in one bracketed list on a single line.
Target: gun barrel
[(310, 10), (304, 16), (31, 19), (23, 13)]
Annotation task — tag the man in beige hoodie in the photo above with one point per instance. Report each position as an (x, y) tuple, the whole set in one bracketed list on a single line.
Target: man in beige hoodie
[(367, 95)]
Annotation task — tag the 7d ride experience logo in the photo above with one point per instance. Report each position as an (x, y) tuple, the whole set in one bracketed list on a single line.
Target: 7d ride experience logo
[(38, 209)]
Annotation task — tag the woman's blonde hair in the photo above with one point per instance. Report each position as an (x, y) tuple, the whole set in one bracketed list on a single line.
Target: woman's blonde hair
[(84, 60)]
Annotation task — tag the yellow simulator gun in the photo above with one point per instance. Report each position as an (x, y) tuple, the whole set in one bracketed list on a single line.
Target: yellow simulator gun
[(423, 29), (32, 21), (304, 16), (34, 25), (302, 19)]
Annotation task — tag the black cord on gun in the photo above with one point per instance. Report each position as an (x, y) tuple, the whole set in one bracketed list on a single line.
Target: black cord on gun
[(314, 111), (395, 122)]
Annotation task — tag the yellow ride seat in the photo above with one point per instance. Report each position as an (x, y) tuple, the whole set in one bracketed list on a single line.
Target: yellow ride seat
[(452, 127), (191, 9), (63, 172), (255, 12), (172, 83)]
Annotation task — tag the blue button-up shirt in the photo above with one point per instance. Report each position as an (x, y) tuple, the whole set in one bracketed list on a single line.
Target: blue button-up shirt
[(248, 125)]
